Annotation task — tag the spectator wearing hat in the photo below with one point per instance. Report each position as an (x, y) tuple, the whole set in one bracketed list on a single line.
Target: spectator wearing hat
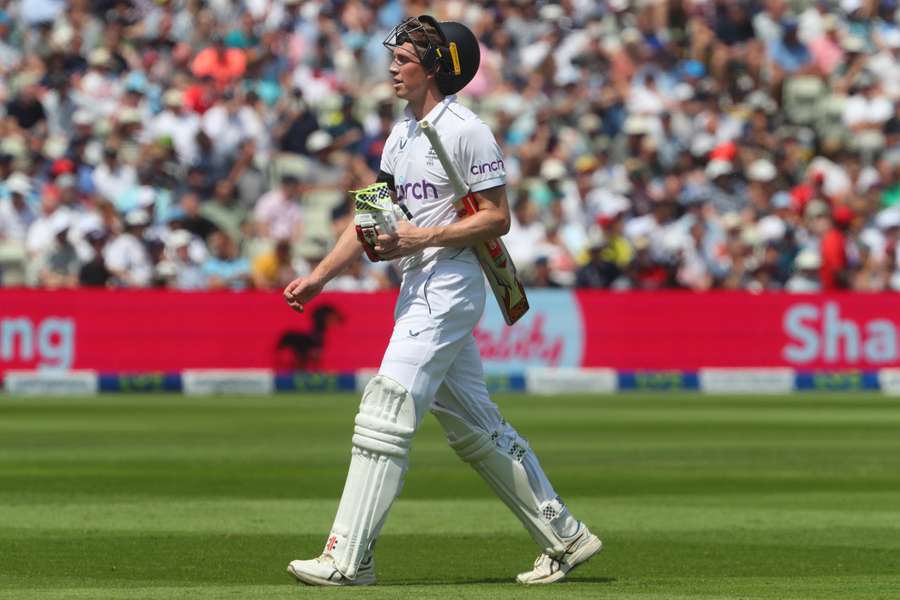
[(93, 272), (541, 275), (601, 270), (725, 191), (805, 279), (178, 123), (41, 234), (99, 89), (323, 167), (761, 175), (126, 255), (187, 263), (16, 214), (61, 266)]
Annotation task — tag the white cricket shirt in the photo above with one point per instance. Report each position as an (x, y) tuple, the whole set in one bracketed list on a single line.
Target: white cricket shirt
[(419, 178)]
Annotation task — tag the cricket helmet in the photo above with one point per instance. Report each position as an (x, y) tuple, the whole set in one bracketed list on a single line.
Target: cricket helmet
[(449, 48)]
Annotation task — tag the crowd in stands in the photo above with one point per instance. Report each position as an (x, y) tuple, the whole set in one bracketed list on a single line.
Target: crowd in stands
[(698, 144)]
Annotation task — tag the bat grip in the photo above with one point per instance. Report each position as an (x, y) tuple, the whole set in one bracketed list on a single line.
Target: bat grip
[(370, 252)]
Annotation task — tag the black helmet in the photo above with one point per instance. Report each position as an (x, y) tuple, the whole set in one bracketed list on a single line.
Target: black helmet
[(454, 55)]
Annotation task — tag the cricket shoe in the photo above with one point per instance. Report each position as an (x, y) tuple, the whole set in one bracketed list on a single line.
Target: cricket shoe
[(321, 571), (583, 545)]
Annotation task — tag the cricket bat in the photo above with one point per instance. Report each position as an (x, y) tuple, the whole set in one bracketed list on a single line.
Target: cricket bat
[(492, 254)]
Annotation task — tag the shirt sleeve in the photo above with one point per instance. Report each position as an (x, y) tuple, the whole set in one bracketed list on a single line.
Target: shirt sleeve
[(389, 153), (480, 158)]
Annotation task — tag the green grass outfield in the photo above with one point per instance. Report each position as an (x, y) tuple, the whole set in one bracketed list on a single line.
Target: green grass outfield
[(165, 497)]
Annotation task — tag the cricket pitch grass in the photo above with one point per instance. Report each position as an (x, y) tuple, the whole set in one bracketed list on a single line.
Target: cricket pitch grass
[(165, 497)]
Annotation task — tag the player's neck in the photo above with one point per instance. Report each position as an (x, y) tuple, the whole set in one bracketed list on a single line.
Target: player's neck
[(423, 106)]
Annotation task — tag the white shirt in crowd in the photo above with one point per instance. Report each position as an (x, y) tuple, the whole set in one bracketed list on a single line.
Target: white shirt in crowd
[(182, 128), (113, 183), (127, 254), (282, 217), (860, 110), (41, 237), (13, 224), (228, 130)]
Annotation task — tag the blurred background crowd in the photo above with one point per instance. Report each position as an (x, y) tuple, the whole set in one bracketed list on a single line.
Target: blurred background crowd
[(202, 144)]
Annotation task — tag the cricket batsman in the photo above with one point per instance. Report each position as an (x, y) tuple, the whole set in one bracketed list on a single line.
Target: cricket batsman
[(432, 361)]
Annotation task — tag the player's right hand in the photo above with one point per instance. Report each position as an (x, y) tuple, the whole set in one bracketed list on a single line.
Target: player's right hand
[(300, 291)]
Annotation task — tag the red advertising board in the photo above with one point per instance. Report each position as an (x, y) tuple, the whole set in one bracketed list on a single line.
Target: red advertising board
[(140, 331), (683, 330)]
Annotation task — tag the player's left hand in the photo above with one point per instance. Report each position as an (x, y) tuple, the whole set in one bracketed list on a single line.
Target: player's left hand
[(407, 239)]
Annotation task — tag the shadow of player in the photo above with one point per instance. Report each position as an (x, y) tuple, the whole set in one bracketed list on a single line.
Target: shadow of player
[(302, 350)]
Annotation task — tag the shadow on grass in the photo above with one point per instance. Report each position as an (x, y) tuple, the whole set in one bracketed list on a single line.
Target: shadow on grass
[(491, 581)]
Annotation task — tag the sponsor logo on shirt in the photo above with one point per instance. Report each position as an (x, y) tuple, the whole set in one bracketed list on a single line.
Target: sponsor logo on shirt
[(419, 190), (488, 167)]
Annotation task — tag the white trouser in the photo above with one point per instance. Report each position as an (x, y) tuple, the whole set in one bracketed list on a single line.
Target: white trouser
[(433, 355)]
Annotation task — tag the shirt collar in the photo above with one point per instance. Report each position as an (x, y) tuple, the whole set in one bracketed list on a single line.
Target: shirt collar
[(435, 112)]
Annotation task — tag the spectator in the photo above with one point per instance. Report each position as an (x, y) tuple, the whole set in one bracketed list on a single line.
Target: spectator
[(225, 211), (714, 141), (230, 122), (126, 255), (359, 277), (16, 215), (221, 63), (601, 270), (187, 265), (278, 214), (274, 269), (226, 268), (113, 179), (190, 218), (833, 274), (27, 110), (93, 272), (62, 265), (526, 232), (178, 123), (805, 279)]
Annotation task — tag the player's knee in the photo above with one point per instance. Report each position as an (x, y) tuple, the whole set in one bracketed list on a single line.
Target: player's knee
[(386, 421), (473, 447), (473, 444)]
